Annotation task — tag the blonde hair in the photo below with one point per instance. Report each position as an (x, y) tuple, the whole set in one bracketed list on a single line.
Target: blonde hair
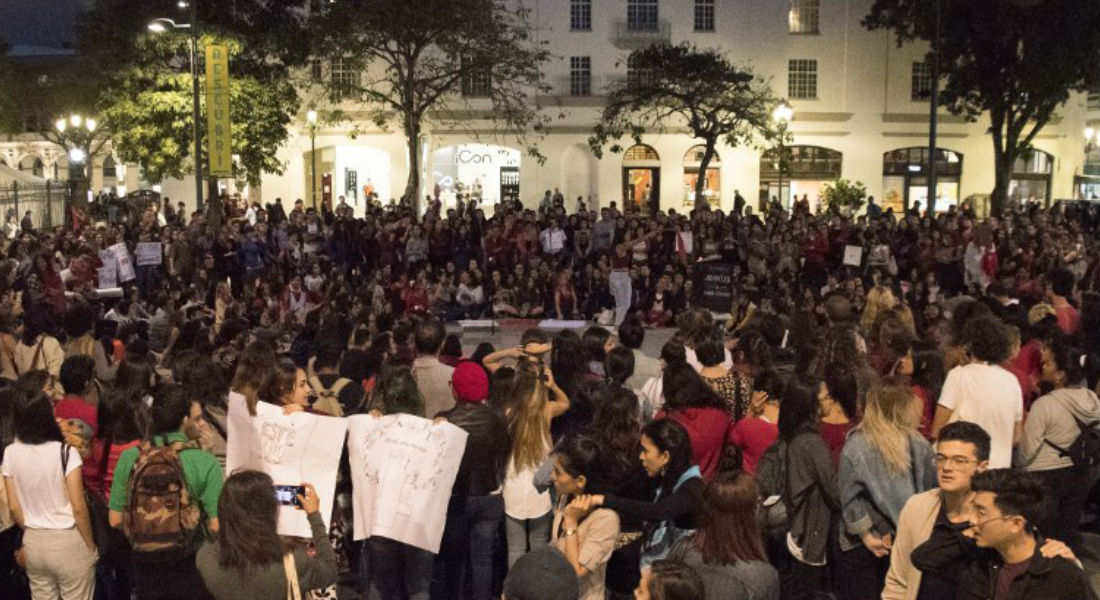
[(889, 416), (529, 421), (879, 299)]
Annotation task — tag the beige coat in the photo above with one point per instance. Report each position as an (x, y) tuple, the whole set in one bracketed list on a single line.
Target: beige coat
[(914, 528)]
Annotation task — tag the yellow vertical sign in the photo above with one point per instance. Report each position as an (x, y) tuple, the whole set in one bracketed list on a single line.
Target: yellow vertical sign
[(219, 138)]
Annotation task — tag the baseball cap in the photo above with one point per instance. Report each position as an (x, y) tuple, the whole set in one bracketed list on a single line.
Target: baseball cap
[(541, 574), (469, 381)]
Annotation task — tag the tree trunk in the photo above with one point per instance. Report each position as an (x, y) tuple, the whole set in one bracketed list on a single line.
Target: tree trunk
[(412, 140), (700, 180), (1002, 169)]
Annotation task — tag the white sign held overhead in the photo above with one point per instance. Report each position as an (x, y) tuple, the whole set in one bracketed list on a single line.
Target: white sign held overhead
[(125, 263), (402, 471), (293, 449)]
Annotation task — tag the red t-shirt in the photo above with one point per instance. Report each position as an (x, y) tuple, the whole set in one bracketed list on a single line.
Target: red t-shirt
[(753, 436), (834, 435), (1068, 319), (707, 429), (74, 407)]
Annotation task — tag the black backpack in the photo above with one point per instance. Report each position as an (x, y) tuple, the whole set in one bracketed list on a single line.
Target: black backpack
[(1085, 450)]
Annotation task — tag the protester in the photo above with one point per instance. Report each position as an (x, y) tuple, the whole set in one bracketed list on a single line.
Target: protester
[(1068, 414), (670, 580), (727, 551), (585, 535), (45, 493), (165, 544), (476, 507), (885, 461), (249, 559), (1000, 557), (541, 574)]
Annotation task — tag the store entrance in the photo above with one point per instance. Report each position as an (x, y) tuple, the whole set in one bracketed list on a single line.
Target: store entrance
[(641, 189)]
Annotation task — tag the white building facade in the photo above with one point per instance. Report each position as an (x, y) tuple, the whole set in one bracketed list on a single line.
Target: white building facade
[(860, 113)]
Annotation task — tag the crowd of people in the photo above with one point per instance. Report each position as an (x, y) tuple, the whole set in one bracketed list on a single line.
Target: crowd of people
[(919, 422)]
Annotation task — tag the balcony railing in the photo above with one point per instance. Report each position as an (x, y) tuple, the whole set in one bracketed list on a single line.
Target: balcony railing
[(638, 34), (597, 85)]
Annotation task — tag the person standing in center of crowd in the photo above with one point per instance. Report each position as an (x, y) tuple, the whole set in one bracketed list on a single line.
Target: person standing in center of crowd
[(528, 509), (983, 392), (885, 461), (432, 377)]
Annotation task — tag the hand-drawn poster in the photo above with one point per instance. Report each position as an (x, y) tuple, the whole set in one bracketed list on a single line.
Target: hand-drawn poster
[(853, 255), (402, 470), (292, 449), (125, 264), (148, 253)]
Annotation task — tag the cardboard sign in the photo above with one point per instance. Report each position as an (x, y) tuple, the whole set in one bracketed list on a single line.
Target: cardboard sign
[(712, 285), (402, 471), (293, 449), (853, 255), (148, 253), (108, 276), (124, 262)]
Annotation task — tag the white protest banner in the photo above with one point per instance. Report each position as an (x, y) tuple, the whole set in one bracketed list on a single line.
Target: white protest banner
[(125, 264), (402, 471), (148, 253), (293, 449), (853, 255), (107, 276)]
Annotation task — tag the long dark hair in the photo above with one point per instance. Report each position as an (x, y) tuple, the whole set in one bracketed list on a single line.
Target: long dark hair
[(119, 421), (593, 341), (615, 424), (584, 455), (669, 436), (248, 515), (729, 531), (683, 388), (396, 392), (801, 407), (34, 420)]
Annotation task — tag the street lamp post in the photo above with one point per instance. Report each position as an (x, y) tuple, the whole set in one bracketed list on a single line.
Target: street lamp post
[(160, 26), (782, 116), (311, 117), (75, 133)]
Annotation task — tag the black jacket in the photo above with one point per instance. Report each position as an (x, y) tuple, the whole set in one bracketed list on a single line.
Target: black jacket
[(973, 570), (482, 469)]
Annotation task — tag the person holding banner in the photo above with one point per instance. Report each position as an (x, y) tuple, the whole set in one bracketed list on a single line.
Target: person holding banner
[(249, 560)]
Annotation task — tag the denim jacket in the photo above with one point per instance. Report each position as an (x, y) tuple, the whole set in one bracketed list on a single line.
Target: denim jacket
[(871, 495)]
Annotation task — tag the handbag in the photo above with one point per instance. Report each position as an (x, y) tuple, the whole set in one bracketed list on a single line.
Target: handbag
[(662, 538), (97, 508), (293, 592)]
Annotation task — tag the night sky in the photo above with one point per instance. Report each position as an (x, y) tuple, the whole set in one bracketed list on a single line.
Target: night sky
[(50, 23)]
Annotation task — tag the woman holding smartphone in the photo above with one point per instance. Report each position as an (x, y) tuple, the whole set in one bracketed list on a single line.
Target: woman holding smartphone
[(250, 560)]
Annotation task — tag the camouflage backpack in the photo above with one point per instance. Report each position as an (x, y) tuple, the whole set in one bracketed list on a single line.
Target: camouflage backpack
[(162, 518)]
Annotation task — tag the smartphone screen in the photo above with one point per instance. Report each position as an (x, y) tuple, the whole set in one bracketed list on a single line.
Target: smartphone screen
[(287, 495)]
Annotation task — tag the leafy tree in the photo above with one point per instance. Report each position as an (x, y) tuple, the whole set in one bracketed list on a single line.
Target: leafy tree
[(1017, 60), (680, 84), (845, 194), (434, 63), (146, 100)]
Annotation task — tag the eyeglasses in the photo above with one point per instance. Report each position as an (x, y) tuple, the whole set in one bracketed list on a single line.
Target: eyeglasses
[(956, 461)]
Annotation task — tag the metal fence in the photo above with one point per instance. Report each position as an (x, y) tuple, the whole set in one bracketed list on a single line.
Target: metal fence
[(46, 201)]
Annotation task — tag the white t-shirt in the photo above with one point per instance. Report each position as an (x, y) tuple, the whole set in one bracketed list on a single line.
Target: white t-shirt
[(521, 499), (40, 486), (990, 397)]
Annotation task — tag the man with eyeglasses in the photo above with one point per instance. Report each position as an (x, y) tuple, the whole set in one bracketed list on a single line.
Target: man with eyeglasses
[(998, 554), (962, 450)]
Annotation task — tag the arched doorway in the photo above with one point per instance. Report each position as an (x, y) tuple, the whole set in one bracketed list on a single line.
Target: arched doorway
[(807, 170), (33, 165), (578, 171), (641, 180), (712, 187), (484, 173), (905, 178), (1031, 177)]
